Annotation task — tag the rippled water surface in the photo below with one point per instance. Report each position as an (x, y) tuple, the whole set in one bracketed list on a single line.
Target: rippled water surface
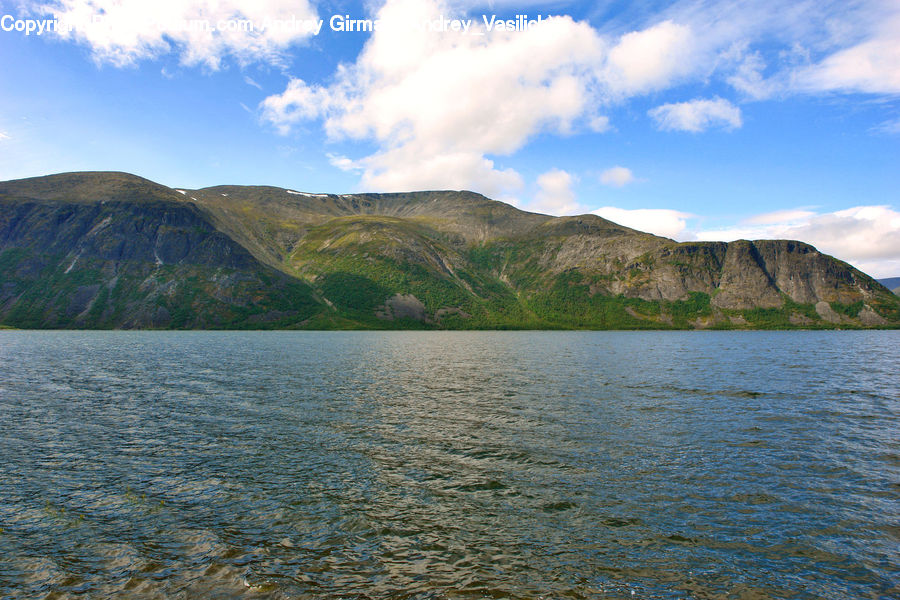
[(450, 465)]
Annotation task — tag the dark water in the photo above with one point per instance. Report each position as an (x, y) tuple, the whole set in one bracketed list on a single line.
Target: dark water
[(450, 465)]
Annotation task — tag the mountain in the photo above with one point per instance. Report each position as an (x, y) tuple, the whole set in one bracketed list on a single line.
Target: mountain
[(112, 250), (891, 283)]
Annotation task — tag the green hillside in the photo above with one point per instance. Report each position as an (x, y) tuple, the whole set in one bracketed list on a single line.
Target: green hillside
[(112, 250)]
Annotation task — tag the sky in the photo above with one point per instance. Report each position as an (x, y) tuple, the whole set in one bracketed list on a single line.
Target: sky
[(692, 119)]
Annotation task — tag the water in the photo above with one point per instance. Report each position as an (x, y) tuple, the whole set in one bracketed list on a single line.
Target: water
[(450, 465)]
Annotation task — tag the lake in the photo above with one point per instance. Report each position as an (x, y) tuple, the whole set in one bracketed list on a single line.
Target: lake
[(450, 464)]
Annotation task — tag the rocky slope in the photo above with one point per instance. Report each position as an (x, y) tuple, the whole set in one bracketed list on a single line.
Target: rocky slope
[(104, 250)]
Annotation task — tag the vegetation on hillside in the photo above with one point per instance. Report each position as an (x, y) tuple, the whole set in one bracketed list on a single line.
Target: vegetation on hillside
[(110, 250)]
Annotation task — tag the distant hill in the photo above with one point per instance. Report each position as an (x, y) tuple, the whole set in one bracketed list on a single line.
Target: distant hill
[(891, 283), (113, 250)]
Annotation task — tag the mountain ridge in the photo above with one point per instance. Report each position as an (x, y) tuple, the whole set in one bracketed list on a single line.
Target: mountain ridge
[(115, 250), (891, 283)]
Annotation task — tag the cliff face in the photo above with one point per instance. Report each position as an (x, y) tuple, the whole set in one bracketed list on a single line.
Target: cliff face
[(133, 257), (116, 232), (745, 274), (114, 250)]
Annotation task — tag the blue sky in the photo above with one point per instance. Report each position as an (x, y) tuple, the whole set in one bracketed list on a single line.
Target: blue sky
[(691, 119)]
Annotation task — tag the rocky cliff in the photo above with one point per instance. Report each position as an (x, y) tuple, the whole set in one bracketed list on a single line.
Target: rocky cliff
[(111, 250)]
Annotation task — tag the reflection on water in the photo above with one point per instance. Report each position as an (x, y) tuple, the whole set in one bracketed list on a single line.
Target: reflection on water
[(450, 465)]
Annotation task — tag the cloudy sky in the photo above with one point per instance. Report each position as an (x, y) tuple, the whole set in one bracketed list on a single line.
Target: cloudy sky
[(694, 119)]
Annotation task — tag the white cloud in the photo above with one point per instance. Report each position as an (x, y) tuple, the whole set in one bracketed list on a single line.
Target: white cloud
[(697, 115), (617, 176), (555, 195), (442, 107), (131, 31), (437, 105), (748, 78), (815, 47), (659, 221), (250, 81), (343, 163), (599, 124), (299, 102), (870, 66), (779, 217), (4, 135), (866, 236), (407, 169), (651, 59), (450, 105)]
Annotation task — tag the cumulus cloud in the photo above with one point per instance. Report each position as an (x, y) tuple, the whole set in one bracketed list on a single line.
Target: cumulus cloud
[(555, 195), (407, 169), (442, 108), (697, 115), (650, 59), (297, 103), (659, 221), (617, 176), (866, 236), (131, 30)]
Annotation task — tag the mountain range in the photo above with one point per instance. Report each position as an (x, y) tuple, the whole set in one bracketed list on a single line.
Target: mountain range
[(113, 250)]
